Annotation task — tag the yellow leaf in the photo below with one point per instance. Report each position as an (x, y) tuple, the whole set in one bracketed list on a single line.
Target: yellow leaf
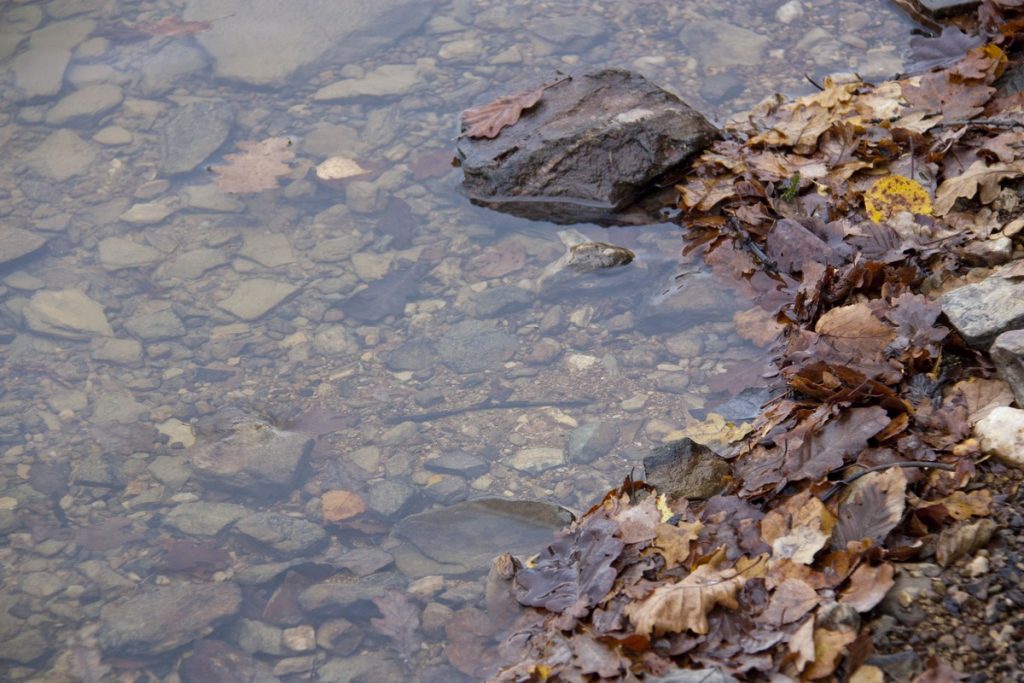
[(868, 674), (664, 509), (895, 193), (678, 607), (673, 542)]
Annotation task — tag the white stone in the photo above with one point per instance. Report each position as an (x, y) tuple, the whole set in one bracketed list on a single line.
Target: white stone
[(177, 432), (580, 361), (537, 459), (337, 168), (461, 49), (370, 266), (789, 11), (1001, 433)]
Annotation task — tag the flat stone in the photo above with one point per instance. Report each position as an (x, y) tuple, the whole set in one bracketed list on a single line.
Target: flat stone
[(162, 68), (537, 459), (686, 469), (329, 139), (147, 213), (459, 463), (591, 440), (117, 253), (66, 313), (385, 80), (339, 636), (254, 298), (467, 536), (204, 519), (191, 265), (113, 136), (390, 498), (159, 619), (570, 32), (270, 249), (946, 8), (719, 43), (16, 243), (211, 198), (24, 646), (284, 535), (337, 598), (1001, 433), (63, 34), (171, 471), (303, 33), (1008, 355), (155, 326), (85, 105), (62, 155), (984, 310), (256, 636), (475, 346), (555, 157), (122, 351), (255, 459), (103, 470), (215, 660), (193, 133), (39, 72)]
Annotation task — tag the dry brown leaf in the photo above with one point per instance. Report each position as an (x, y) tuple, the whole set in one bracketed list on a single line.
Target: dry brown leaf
[(801, 644), (961, 505), (790, 602), (871, 508), (339, 505), (982, 396), (257, 167), (868, 586), (963, 539), (829, 646), (488, 120), (978, 176), (638, 523), (799, 128), (855, 331), (757, 325), (702, 194), (684, 606), (673, 542), (798, 528)]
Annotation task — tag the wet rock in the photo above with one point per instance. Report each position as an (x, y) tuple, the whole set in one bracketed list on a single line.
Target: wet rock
[(255, 459), (364, 561), (905, 599), (900, 666), (719, 43), (215, 660), (156, 326), (447, 489), (147, 213), (158, 619), (385, 80), (1001, 433), (946, 8), (191, 265), (686, 469), (553, 163), (590, 256), (416, 354), (284, 535), (390, 498), (39, 72), (474, 346), (339, 636), (203, 518), (458, 463), (254, 298), (388, 295), (693, 297), (61, 156), (24, 645), (85, 105), (117, 253), (372, 667), (121, 351), (466, 537), (984, 310), (171, 471), (16, 243), (66, 34), (338, 598), (502, 300), (104, 470), (303, 33), (160, 69), (256, 636), (193, 134), (591, 440), (66, 313), (536, 459), (571, 32), (270, 249), (1008, 355)]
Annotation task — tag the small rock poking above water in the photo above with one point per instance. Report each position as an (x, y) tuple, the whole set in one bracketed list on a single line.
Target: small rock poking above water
[(686, 469), (591, 145)]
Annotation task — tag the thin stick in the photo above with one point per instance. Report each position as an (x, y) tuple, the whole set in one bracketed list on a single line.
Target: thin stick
[(989, 123), (906, 464)]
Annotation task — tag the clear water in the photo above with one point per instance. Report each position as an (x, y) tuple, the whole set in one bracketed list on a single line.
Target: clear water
[(162, 314)]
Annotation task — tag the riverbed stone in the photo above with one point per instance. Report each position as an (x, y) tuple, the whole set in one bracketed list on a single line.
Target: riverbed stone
[(203, 518), (385, 80), (193, 133), (270, 249), (718, 43), (458, 463), (591, 440), (155, 326), (302, 32), (390, 498), (474, 346), (982, 311), (24, 645), (254, 298), (555, 158), (336, 598), (686, 469), (1008, 355), (117, 253), (160, 69), (147, 213), (536, 459), (62, 155), (284, 535), (159, 619), (16, 243), (66, 313), (121, 351), (85, 105), (39, 72)]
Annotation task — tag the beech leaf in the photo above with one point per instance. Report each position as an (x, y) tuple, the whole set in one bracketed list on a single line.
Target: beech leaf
[(868, 585), (798, 528), (871, 508), (962, 540)]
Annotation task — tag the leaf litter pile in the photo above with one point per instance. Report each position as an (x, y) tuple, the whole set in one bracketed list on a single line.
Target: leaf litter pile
[(839, 213)]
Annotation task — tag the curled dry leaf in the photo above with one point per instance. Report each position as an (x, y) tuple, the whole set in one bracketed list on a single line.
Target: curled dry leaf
[(488, 120), (980, 179), (868, 585), (257, 167), (829, 646), (673, 542), (963, 539), (684, 606)]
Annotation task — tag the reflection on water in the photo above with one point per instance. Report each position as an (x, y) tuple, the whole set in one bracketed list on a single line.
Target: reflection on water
[(237, 429)]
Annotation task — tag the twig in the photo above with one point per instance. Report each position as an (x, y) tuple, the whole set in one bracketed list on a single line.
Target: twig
[(906, 464), (989, 123), (813, 82)]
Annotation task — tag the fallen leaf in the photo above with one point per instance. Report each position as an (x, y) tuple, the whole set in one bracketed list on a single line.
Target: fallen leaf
[(963, 539), (927, 52), (871, 508), (829, 646), (684, 606), (894, 193), (790, 602), (639, 522), (979, 178), (962, 505), (256, 168), (982, 396), (488, 120), (935, 93), (801, 645), (854, 331), (339, 505), (673, 542), (593, 657), (798, 528), (470, 645), (714, 430), (399, 621), (868, 585), (187, 556), (938, 672)]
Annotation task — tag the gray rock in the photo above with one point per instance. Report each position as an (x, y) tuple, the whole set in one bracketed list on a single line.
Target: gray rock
[(982, 311), (66, 313), (364, 561), (26, 645), (474, 346), (466, 537), (117, 253), (39, 72), (85, 105), (458, 463), (203, 518), (571, 32), (303, 33), (390, 498), (947, 8), (536, 459), (339, 636), (104, 470), (337, 598), (171, 471), (193, 134), (160, 69), (286, 536), (686, 469), (591, 256), (61, 156), (256, 459), (373, 667), (1008, 355), (155, 326), (386, 80), (555, 159), (591, 440), (496, 301), (158, 619), (257, 636), (899, 666), (191, 265), (16, 243), (270, 249), (718, 43), (122, 351), (417, 354), (254, 298), (447, 490), (215, 660)]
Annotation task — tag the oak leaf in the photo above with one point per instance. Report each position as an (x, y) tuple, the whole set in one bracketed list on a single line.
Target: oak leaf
[(980, 179), (673, 542), (935, 93), (256, 168), (684, 606), (488, 120), (871, 508), (399, 621)]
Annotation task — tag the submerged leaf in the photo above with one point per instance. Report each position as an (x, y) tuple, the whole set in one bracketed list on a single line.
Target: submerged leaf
[(257, 167), (399, 621)]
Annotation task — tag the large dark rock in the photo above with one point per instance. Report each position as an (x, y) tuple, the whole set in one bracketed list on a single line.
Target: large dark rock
[(589, 148), (984, 310), (686, 469)]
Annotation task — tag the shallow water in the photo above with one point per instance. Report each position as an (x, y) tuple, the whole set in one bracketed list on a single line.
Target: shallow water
[(196, 384)]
